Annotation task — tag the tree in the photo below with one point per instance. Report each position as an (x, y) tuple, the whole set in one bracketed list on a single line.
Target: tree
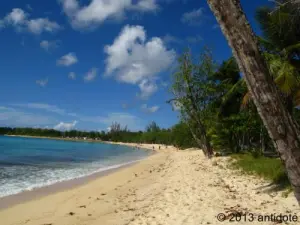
[(280, 125), (280, 26), (192, 92), (152, 127)]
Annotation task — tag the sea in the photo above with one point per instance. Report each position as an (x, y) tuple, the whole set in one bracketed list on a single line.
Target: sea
[(29, 163)]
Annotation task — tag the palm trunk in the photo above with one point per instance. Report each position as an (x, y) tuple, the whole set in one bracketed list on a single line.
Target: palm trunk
[(281, 127)]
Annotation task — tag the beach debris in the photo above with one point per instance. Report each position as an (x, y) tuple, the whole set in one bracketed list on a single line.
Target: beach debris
[(82, 206), (71, 213), (135, 175), (47, 223), (89, 214), (103, 193), (128, 209)]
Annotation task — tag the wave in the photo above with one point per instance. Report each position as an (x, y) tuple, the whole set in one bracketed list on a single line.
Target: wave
[(42, 178)]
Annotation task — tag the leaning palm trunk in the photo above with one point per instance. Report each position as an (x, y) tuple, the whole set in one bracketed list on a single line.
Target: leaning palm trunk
[(280, 125)]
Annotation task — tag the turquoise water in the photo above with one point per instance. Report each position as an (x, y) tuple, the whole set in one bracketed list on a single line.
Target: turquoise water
[(27, 163)]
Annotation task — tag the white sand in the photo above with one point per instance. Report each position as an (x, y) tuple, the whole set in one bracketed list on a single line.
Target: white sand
[(168, 188)]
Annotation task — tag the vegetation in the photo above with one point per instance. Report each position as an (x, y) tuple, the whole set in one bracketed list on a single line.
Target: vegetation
[(178, 135), (271, 102), (268, 168)]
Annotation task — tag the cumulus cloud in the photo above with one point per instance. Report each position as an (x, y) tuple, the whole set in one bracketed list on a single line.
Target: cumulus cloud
[(37, 26), (147, 109), (91, 75), (65, 126), (193, 17), (48, 45), (98, 11), (42, 82), (19, 19), (67, 60), (134, 60), (147, 88), (72, 76)]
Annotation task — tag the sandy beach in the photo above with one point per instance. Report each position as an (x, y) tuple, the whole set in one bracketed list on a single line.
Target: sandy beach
[(168, 188)]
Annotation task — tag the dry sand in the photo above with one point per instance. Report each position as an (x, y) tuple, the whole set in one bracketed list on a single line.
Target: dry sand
[(168, 188)]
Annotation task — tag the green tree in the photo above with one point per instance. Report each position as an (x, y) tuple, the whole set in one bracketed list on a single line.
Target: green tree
[(282, 128)]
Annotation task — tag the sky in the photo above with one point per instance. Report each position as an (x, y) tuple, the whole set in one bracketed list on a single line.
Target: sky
[(70, 64)]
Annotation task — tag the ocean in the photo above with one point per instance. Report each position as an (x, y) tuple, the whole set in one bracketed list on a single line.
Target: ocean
[(28, 163)]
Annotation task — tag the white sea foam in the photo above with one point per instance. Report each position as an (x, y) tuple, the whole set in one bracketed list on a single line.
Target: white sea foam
[(34, 178)]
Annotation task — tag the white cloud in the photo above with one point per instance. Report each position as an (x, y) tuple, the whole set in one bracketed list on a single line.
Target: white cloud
[(91, 75), (193, 18), (48, 45), (42, 82), (147, 88), (134, 60), (16, 17), (99, 11), (147, 109), (13, 117), (19, 19), (72, 76), (43, 106), (37, 26), (65, 126), (67, 60)]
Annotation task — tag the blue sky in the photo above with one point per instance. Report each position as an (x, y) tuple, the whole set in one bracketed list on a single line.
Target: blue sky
[(85, 64)]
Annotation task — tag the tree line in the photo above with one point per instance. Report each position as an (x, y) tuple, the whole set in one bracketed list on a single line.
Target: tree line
[(178, 135)]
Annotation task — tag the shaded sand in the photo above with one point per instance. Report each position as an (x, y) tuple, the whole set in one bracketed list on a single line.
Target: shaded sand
[(169, 188)]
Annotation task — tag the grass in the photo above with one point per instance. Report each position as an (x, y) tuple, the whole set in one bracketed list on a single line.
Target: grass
[(268, 168)]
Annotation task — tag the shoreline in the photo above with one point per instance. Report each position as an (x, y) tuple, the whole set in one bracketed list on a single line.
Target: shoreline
[(169, 187), (40, 192), (153, 147)]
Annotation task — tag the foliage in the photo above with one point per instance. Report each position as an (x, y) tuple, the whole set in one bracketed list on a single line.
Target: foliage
[(179, 135), (268, 168)]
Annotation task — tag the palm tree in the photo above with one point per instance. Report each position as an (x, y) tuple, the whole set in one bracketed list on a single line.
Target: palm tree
[(281, 127), (280, 26)]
